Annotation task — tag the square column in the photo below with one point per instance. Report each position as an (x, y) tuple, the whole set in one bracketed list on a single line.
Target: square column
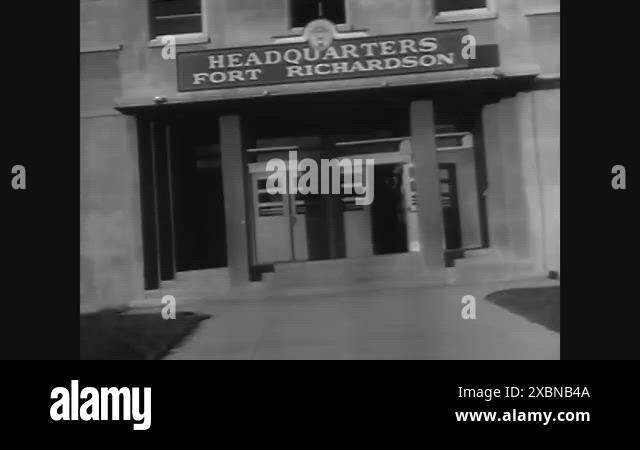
[(515, 205), (427, 177), (512, 137), (496, 203), (233, 181), (531, 227)]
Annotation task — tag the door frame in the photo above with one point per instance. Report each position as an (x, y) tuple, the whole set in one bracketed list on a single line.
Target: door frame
[(289, 204), (397, 157)]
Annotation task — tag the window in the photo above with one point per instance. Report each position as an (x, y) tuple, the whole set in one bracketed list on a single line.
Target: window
[(268, 204), (305, 11), (348, 185), (458, 5), (175, 17), (463, 10)]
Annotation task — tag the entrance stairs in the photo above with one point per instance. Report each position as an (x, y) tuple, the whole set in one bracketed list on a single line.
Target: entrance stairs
[(210, 284), (345, 275), (490, 265), (351, 273)]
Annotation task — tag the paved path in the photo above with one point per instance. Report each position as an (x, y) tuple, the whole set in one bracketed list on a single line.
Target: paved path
[(400, 323)]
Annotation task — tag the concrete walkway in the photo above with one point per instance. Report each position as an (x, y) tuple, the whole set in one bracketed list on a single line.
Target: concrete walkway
[(400, 323)]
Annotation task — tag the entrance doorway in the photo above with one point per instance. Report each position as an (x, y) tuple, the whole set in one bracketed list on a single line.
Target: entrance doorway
[(281, 229), (281, 222), (388, 212), (297, 227), (450, 209), (182, 200)]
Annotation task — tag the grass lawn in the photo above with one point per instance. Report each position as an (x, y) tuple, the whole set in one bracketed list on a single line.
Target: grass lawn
[(540, 305), (117, 335)]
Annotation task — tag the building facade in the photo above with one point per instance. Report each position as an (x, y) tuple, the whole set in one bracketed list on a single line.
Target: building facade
[(183, 103)]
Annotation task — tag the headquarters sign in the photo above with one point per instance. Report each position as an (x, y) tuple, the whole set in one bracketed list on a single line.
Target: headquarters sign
[(321, 57)]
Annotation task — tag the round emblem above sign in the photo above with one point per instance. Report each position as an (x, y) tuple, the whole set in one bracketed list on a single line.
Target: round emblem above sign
[(320, 34)]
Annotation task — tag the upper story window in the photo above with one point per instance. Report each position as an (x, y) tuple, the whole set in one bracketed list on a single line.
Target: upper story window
[(304, 11), (458, 5), (463, 10), (175, 17)]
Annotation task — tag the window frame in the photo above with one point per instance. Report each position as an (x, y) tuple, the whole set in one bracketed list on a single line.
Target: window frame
[(342, 27), (201, 37), (464, 15)]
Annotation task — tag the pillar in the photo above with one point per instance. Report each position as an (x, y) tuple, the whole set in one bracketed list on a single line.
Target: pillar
[(532, 227), (111, 259), (514, 197), (233, 179), (495, 193), (512, 138), (161, 142), (147, 174), (427, 175), (547, 120)]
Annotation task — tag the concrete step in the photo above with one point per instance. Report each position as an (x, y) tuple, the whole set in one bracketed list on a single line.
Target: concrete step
[(275, 291), (481, 253), (401, 268), (494, 268), (193, 284), (266, 276), (369, 261), (207, 276), (185, 296)]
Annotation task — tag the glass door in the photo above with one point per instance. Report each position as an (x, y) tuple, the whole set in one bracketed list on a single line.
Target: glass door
[(272, 223), (298, 223), (280, 222)]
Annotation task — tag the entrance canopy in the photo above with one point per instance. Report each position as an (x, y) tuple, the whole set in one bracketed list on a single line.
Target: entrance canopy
[(487, 81), (342, 64)]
